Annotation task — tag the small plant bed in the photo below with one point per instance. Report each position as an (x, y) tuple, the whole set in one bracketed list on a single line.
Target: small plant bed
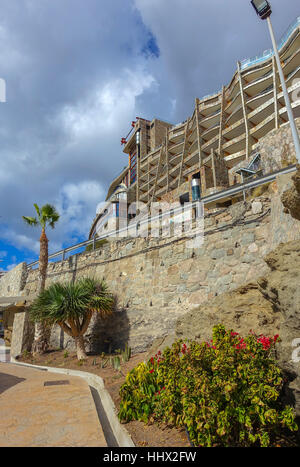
[(226, 392), (152, 435)]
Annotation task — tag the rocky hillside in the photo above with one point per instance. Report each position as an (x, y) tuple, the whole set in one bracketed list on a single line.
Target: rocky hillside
[(291, 198), (269, 306)]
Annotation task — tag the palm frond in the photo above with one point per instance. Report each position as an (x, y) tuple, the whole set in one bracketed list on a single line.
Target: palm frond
[(63, 302), (30, 220), (54, 219), (48, 210), (49, 215), (46, 215), (37, 210)]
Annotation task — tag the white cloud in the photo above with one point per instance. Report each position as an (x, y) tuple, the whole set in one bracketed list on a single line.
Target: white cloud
[(106, 107), (77, 207), (76, 204), (20, 240)]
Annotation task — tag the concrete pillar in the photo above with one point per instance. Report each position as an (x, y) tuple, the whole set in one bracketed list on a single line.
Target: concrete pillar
[(22, 335)]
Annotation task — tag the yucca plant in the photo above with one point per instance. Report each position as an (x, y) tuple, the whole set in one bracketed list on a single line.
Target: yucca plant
[(126, 354), (47, 215), (71, 306)]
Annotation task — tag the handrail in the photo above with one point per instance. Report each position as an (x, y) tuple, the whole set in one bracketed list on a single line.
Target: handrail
[(269, 52), (266, 54), (207, 199)]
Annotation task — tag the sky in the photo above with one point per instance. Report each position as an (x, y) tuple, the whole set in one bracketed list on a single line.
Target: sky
[(77, 72)]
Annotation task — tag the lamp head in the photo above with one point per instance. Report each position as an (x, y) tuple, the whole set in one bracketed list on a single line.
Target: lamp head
[(262, 8)]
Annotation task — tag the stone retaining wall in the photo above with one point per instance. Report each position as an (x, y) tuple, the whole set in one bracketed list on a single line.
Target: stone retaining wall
[(156, 281), (13, 282)]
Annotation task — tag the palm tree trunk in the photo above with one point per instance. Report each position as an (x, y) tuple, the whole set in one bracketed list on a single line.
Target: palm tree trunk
[(43, 260), (80, 348), (40, 344)]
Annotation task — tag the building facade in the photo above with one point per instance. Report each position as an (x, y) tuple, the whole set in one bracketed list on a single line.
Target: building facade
[(221, 137)]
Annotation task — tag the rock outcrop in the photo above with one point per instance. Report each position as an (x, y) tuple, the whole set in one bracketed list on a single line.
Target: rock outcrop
[(291, 198), (270, 305), (243, 309), (282, 288)]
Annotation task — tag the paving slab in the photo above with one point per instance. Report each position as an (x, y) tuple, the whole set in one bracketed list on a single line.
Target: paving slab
[(35, 414), (4, 352)]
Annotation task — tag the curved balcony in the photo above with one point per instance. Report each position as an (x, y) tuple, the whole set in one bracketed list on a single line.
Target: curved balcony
[(258, 86), (261, 113), (235, 116), (233, 105), (236, 145), (258, 72), (211, 132), (256, 101), (291, 62), (210, 121), (269, 53), (206, 110), (235, 130)]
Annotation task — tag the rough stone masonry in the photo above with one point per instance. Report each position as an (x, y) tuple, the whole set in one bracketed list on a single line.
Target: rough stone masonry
[(157, 281)]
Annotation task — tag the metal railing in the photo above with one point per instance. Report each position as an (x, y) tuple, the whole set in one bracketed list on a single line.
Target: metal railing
[(269, 52), (266, 54), (206, 200)]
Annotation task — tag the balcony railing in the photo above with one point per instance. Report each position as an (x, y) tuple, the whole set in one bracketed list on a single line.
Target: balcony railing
[(229, 192), (269, 53)]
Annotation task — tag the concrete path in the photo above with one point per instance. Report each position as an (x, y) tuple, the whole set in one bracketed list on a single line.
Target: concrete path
[(4, 352), (35, 414)]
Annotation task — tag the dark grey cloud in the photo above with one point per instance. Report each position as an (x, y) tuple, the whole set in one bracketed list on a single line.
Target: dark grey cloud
[(73, 70)]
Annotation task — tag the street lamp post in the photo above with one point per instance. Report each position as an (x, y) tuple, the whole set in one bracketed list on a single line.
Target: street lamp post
[(264, 11)]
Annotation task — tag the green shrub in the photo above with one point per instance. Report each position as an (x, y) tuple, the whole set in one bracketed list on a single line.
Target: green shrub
[(225, 392), (98, 244)]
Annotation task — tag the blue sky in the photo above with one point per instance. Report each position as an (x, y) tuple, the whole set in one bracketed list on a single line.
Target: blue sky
[(79, 71)]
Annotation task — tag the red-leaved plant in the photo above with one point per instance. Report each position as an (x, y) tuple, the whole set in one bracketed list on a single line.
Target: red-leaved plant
[(226, 391)]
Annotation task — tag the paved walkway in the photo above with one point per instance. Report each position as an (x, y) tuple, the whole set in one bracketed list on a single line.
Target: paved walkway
[(4, 352), (32, 414)]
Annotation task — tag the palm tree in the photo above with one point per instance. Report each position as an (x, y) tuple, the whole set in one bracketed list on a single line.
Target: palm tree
[(71, 306), (47, 215)]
